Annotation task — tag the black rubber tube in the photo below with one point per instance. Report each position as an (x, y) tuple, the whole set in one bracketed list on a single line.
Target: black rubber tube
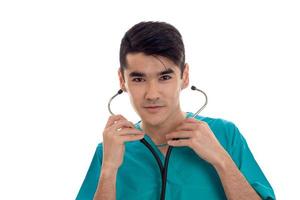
[(163, 169), (165, 174)]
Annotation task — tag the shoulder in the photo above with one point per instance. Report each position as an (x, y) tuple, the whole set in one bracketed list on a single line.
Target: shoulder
[(100, 146), (99, 149), (218, 124), (225, 130)]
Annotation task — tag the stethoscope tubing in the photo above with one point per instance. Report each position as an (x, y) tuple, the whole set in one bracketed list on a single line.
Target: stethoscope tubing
[(163, 168)]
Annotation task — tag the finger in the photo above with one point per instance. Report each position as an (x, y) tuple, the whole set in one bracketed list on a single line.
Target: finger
[(179, 143), (187, 127), (179, 134), (111, 120), (193, 120), (123, 123), (130, 131), (127, 138), (190, 120)]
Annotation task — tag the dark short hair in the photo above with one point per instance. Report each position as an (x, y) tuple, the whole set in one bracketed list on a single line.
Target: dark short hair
[(153, 38)]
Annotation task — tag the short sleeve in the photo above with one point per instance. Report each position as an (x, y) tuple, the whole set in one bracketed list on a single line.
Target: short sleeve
[(247, 164), (90, 183)]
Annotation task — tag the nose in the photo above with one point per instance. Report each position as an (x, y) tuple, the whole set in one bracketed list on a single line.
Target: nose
[(152, 91)]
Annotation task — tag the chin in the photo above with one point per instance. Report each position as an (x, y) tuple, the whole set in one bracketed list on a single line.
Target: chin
[(154, 119)]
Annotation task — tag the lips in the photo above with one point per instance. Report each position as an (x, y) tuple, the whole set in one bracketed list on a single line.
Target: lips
[(153, 106), (153, 109)]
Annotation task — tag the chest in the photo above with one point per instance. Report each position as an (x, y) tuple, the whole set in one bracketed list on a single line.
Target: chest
[(139, 177)]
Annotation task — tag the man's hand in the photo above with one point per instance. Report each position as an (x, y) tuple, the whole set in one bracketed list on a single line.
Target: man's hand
[(198, 136), (117, 131)]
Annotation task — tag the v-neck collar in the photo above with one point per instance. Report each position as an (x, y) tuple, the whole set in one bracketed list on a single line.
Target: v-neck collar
[(150, 141)]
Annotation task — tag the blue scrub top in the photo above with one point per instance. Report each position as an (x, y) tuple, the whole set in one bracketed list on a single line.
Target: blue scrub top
[(189, 176)]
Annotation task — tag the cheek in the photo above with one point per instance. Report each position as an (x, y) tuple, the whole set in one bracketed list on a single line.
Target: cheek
[(173, 95), (135, 96), (174, 90)]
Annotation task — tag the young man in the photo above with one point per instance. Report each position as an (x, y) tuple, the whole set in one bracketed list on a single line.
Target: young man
[(210, 160)]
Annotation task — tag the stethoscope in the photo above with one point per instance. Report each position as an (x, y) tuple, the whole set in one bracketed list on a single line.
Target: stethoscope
[(163, 169)]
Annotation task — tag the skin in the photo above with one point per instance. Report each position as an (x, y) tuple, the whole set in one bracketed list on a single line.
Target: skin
[(163, 126), (155, 90)]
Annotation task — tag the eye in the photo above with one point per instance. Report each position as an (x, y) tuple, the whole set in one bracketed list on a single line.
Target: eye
[(138, 80), (165, 77)]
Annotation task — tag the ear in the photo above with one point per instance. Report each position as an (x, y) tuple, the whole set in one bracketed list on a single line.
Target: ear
[(185, 77), (121, 80)]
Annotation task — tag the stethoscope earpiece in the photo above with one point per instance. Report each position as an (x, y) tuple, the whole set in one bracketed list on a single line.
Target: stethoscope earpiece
[(194, 88), (120, 91)]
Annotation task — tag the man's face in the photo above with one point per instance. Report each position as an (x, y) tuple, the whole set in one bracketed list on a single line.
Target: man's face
[(153, 84)]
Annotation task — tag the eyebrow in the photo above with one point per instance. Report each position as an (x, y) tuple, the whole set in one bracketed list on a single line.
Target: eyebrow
[(141, 74)]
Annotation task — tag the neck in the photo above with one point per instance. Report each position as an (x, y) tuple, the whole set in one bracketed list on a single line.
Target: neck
[(157, 132)]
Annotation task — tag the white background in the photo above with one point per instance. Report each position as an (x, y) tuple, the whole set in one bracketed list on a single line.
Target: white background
[(59, 62)]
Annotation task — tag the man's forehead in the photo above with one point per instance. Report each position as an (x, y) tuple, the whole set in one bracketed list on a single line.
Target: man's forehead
[(149, 64), (154, 70)]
